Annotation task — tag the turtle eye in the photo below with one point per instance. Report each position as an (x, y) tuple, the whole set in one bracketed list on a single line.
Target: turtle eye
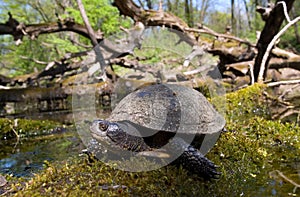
[(103, 127)]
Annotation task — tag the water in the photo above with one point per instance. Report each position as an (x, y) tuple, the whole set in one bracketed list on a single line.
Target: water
[(28, 156)]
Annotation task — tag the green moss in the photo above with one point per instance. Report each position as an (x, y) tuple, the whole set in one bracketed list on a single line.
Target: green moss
[(252, 148), (26, 128), (247, 102)]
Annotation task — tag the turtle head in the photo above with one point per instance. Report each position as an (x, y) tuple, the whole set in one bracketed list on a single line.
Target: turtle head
[(104, 130), (111, 134)]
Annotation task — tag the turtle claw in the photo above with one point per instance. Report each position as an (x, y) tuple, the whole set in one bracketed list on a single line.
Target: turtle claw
[(214, 174), (209, 170)]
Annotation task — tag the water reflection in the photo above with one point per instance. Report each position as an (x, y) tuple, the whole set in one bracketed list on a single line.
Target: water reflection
[(29, 156)]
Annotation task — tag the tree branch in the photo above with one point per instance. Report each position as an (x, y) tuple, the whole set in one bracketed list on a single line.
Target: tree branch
[(152, 17), (99, 56), (205, 30), (271, 28), (18, 30), (260, 77)]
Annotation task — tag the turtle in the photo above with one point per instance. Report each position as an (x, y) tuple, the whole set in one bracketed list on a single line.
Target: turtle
[(165, 118)]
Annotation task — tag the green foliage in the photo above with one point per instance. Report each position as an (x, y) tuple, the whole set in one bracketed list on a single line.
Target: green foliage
[(218, 21), (101, 16), (22, 59), (62, 44), (288, 39)]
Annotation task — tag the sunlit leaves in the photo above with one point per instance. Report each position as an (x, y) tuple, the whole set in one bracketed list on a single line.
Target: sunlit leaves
[(102, 15)]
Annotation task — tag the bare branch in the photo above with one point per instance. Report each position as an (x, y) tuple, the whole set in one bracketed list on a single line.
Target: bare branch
[(152, 17), (270, 46), (271, 28), (278, 83), (34, 60), (19, 30), (206, 30), (197, 51), (99, 56), (272, 174), (286, 14)]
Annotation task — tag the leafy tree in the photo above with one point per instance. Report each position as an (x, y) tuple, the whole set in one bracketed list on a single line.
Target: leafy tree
[(102, 15), (218, 21), (21, 59)]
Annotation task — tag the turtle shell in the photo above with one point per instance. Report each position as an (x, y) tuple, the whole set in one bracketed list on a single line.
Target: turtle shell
[(171, 108)]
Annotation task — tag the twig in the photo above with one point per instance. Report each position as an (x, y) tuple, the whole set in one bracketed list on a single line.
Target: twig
[(287, 112), (270, 46), (251, 73), (297, 120), (287, 82), (286, 91), (6, 192), (285, 10), (278, 100), (198, 70), (17, 135), (34, 60), (286, 178)]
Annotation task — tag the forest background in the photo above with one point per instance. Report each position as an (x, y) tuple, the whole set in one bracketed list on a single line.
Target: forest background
[(34, 54)]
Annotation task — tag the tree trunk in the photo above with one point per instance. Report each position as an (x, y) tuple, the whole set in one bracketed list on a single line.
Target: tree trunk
[(204, 6), (187, 12), (233, 19), (191, 23), (149, 4), (169, 6), (271, 28), (248, 15)]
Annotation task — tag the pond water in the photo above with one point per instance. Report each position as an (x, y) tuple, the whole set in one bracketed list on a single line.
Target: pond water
[(277, 183), (26, 157)]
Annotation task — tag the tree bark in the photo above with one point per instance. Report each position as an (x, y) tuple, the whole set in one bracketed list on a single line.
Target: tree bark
[(153, 18), (149, 17), (273, 22), (19, 30), (233, 19), (191, 14)]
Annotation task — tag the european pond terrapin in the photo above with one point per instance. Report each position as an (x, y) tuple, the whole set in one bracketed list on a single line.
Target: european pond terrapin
[(168, 118)]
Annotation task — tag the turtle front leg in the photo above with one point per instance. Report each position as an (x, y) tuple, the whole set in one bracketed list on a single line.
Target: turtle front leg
[(193, 160)]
